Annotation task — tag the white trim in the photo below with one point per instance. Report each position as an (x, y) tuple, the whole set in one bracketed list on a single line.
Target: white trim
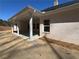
[(31, 27), (17, 30)]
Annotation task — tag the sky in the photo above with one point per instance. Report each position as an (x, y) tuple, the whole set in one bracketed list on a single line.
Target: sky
[(8, 8)]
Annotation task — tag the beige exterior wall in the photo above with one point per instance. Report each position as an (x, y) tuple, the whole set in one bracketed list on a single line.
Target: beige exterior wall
[(67, 32), (41, 27), (64, 26)]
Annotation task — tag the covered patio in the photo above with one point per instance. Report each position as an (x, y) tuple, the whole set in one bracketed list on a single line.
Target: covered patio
[(27, 23)]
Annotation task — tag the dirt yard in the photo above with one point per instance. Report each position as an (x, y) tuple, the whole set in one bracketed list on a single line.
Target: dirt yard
[(14, 47), (4, 28)]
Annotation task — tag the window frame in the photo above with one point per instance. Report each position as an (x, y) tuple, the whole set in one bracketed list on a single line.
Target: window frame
[(47, 25)]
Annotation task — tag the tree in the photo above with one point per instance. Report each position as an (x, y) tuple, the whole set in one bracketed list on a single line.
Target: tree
[(3, 23)]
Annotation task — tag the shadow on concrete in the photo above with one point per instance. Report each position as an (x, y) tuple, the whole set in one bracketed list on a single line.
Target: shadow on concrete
[(13, 39), (8, 48), (16, 51), (53, 49)]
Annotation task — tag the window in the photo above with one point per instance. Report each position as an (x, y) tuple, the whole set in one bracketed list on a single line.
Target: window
[(46, 25)]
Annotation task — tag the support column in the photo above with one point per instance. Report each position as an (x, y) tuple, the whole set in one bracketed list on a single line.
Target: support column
[(17, 30), (55, 2), (31, 27)]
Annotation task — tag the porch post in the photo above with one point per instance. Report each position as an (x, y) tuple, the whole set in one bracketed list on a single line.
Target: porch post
[(17, 30), (31, 27)]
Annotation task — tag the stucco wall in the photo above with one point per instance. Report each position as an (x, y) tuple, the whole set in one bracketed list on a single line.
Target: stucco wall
[(41, 27), (64, 26), (67, 32)]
